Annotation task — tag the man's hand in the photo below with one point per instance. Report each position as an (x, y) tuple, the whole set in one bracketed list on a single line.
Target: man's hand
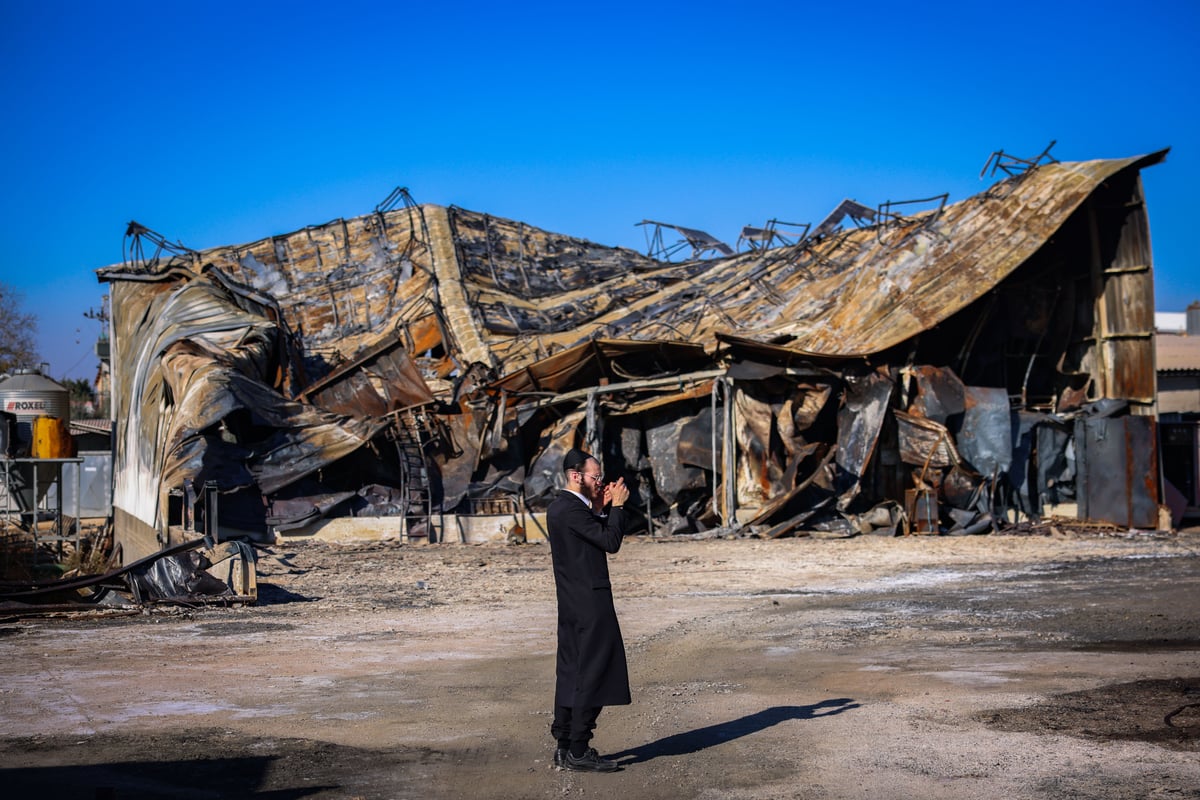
[(616, 493)]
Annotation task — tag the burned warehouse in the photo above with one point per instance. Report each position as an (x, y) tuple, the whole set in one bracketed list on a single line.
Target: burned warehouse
[(916, 367)]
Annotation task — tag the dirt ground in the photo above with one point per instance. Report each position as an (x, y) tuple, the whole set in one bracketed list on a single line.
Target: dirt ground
[(1054, 665)]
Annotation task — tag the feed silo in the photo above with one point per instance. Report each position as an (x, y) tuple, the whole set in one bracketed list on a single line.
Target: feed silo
[(41, 409)]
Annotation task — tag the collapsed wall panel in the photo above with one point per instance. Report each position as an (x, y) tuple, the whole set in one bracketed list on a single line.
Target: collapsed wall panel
[(1125, 288)]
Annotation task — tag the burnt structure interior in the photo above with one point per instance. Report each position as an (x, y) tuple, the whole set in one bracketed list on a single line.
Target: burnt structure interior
[(438, 361)]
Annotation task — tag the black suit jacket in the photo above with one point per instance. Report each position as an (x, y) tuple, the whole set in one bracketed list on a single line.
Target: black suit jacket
[(591, 667)]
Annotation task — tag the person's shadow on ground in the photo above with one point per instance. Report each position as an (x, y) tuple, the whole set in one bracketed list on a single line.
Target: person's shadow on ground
[(702, 738)]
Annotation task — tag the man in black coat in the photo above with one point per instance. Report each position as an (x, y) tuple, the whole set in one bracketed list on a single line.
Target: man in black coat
[(591, 668)]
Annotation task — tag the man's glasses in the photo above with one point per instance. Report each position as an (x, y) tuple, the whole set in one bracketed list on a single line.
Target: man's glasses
[(598, 477)]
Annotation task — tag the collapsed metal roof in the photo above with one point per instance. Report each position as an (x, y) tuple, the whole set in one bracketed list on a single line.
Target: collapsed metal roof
[(260, 366)]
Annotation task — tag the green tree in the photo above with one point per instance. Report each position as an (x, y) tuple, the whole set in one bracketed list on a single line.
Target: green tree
[(82, 397), (18, 329)]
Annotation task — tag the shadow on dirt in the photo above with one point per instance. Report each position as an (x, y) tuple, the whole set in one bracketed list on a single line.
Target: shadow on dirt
[(702, 738), (191, 769), (151, 780), (272, 595)]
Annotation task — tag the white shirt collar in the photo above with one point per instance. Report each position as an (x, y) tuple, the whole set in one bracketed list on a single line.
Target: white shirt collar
[(586, 502)]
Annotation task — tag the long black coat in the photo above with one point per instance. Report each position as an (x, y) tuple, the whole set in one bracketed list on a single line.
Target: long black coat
[(591, 668)]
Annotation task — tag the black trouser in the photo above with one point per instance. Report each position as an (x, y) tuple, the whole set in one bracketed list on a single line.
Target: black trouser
[(573, 727)]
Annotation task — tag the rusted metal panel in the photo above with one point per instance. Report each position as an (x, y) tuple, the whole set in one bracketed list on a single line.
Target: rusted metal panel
[(1131, 368), (1025, 429), (1056, 465), (544, 476), (939, 393), (700, 391), (859, 422), (1128, 297), (672, 476), (985, 440), (1118, 469), (380, 381), (925, 443), (759, 473), (601, 360)]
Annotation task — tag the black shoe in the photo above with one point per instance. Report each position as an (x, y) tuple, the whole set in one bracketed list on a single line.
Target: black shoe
[(590, 761), (560, 757)]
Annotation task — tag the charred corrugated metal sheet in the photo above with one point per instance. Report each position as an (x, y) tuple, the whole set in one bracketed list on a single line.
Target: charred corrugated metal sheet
[(1118, 460), (376, 383), (925, 442), (261, 366)]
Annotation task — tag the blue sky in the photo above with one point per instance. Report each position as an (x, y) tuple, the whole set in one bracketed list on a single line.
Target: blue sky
[(220, 123)]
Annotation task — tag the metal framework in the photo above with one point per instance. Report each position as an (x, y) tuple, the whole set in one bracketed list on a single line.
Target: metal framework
[(769, 235), (136, 235), (1012, 165), (399, 195), (859, 214), (698, 240), (26, 488), (889, 217)]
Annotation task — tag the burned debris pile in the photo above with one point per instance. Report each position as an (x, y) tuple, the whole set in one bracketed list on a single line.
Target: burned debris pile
[(195, 572), (942, 367)]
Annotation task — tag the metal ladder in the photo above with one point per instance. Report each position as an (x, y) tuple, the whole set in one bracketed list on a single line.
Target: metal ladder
[(410, 434)]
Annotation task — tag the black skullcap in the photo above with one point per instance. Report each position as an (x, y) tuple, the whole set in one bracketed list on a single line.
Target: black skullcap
[(574, 459)]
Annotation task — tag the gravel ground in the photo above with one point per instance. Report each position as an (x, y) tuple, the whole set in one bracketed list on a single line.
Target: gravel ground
[(1060, 664)]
